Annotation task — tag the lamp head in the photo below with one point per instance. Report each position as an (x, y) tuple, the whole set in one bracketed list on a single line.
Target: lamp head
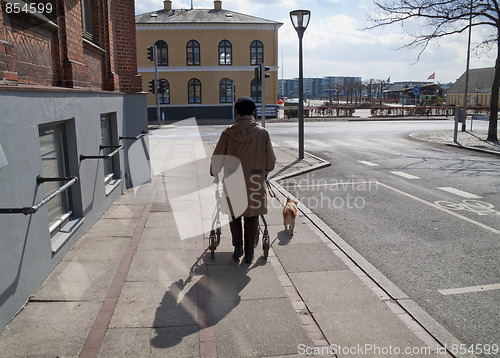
[(300, 19)]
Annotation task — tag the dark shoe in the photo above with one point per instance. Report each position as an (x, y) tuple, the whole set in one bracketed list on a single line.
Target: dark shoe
[(248, 259), (238, 252)]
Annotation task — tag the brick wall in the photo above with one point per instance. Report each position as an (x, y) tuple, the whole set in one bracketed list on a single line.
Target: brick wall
[(8, 58), (36, 52), (125, 47)]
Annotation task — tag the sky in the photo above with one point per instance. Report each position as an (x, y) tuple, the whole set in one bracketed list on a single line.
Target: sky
[(336, 44)]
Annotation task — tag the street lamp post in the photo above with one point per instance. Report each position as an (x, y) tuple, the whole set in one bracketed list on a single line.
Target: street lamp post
[(300, 20), (467, 72)]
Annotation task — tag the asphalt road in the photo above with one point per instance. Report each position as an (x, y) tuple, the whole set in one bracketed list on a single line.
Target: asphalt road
[(426, 216)]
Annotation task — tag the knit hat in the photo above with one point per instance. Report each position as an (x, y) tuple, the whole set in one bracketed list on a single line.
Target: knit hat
[(245, 106)]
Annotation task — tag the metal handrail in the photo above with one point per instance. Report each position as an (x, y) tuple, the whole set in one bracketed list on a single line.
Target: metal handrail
[(28, 210), (40, 179), (107, 156), (136, 137)]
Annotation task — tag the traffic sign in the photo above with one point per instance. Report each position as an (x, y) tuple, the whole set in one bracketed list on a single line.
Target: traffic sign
[(416, 90)]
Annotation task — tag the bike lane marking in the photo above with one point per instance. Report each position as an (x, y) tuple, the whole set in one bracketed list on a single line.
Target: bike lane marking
[(461, 193), (486, 227), (470, 289)]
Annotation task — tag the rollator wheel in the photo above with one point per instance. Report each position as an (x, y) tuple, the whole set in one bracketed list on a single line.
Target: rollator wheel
[(218, 234), (265, 247), (211, 244)]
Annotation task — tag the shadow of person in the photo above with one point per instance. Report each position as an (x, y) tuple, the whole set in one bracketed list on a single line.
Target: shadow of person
[(176, 315), (189, 304)]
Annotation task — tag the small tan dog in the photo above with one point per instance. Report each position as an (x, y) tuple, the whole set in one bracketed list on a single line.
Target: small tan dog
[(289, 214)]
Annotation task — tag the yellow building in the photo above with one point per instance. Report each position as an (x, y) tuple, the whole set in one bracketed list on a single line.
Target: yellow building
[(201, 54), (479, 88)]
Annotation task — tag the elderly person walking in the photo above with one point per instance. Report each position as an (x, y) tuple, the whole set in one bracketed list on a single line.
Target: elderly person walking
[(244, 147)]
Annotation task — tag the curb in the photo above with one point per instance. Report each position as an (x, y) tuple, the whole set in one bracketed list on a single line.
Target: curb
[(455, 145), (472, 149), (429, 324), (322, 164)]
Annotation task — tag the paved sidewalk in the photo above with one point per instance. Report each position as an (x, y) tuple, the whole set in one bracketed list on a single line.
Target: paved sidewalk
[(472, 140), (141, 283)]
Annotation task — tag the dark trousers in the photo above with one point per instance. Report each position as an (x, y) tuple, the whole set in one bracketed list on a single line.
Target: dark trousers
[(251, 227)]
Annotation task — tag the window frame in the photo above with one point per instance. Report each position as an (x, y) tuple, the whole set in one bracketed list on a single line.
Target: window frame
[(256, 53), (224, 46), (65, 198), (87, 19), (225, 86), (194, 87), (164, 97), (108, 164), (161, 52), (193, 53), (112, 179), (256, 91)]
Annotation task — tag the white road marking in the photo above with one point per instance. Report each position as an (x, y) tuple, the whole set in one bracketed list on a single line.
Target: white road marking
[(457, 291), (291, 143), (342, 143), (274, 144), (461, 193), (486, 227), (343, 185), (405, 175), (370, 164), (317, 143)]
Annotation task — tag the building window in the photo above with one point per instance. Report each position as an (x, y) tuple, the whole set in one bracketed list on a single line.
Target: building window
[(111, 165), (54, 165), (256, 92), (225, 53), (161, 53), (164, 94), (87, 19), (194, 91), (226, 90), (256, 53), (193, 53)]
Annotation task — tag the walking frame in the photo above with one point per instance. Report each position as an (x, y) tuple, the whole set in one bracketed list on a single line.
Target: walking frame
[(215, 232)]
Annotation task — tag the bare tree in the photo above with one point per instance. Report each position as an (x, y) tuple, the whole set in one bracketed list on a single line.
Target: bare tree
[(369, 89), (444, 18)]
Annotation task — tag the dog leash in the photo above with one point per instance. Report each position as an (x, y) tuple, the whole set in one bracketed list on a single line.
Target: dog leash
[(271, 192)]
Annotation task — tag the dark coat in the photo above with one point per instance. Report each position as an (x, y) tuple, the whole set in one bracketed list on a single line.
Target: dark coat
[(245, 153)]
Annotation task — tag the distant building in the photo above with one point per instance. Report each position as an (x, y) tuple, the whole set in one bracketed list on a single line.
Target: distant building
[(68, 85), (479, 89), (201, 54), (403, 93), (318, 88)]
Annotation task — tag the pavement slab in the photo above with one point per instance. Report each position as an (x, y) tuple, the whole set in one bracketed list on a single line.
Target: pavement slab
[(48, 330), (238, 282), (308, 258), (350, 314), (161, 306), (258, 328), (77, 281)]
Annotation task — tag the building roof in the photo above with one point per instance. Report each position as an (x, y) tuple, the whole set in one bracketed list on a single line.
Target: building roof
[(481, 78), (189, 16)]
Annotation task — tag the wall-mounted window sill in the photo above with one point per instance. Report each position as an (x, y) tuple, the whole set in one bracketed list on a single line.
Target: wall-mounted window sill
[(65, 232), (112, 185)]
